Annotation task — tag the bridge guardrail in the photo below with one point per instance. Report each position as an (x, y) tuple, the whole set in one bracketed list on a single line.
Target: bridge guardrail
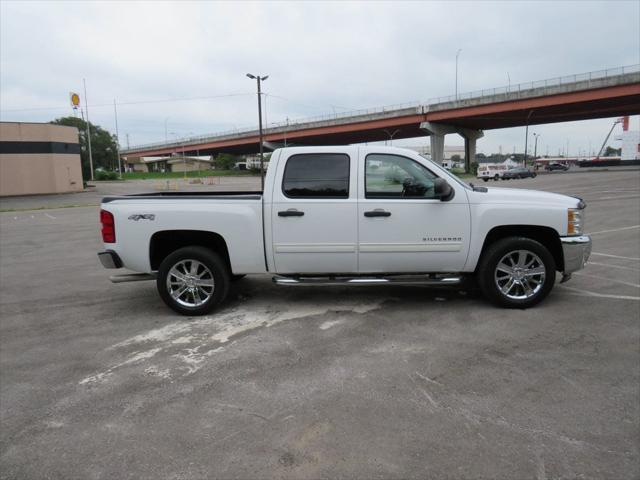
[(519, 87)]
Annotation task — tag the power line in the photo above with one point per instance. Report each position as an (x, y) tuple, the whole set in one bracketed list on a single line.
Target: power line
[(138, 102)]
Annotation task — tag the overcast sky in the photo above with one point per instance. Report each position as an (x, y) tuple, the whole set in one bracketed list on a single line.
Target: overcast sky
[(320, 57)]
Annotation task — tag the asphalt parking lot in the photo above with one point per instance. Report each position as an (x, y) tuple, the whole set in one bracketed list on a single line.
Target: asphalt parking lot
[(103, 381)]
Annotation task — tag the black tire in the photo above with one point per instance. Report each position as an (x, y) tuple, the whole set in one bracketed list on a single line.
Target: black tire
[(217, 271), (496, 177), (488, 280), (485, 180), (534, 175), (235, 278)]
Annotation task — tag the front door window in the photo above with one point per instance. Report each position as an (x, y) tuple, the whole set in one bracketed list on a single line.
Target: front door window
[(394, 176)]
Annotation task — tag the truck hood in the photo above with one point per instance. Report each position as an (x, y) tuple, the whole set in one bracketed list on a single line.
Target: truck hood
[(520, 196)]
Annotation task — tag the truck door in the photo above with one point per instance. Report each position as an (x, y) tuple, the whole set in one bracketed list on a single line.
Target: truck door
[(314, 212), (402, 226)]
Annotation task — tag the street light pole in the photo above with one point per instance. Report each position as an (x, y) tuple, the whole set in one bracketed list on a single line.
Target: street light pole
[(457, 55), (285, 132), (391, 135), (259, 79), (526, 138), (535, 146)]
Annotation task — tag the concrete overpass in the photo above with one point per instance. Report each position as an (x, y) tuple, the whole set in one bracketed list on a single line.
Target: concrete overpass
[(601, 94)]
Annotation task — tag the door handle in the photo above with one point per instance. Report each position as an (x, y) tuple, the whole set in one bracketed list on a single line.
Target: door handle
[(290, 213), (377, 213)]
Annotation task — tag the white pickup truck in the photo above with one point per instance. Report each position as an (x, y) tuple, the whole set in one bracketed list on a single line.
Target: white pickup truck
[(347, 215)]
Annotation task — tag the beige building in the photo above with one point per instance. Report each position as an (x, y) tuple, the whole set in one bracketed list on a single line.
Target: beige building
[(39, 158), (175, 163)]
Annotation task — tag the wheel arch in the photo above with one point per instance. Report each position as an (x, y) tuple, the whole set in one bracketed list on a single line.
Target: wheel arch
[(547, 236), (165, 242)]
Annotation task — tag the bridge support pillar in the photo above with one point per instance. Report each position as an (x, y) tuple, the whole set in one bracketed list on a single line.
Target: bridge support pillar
[(437, 131), (470, 139), (437, 148)]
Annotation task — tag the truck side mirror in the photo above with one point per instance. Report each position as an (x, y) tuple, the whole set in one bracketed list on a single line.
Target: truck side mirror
[(443, 190)]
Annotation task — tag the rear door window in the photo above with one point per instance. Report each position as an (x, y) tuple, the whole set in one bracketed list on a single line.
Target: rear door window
[(317, 175)]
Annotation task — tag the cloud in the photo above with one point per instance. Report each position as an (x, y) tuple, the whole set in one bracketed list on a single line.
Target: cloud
[(321, 57)]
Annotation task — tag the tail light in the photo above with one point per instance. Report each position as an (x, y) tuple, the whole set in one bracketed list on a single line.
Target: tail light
[(108, 227)]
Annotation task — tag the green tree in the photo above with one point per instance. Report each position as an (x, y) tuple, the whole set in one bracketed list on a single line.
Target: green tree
[(225, 161), (612, 152), (103, 145)]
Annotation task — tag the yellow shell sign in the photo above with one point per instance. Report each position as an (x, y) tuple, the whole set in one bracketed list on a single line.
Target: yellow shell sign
[(75, 99)]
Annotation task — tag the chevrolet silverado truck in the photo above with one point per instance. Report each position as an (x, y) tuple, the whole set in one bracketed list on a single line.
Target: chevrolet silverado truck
[(347, 215)]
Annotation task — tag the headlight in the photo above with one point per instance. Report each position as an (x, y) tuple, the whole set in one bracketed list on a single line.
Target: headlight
[(575, 221)]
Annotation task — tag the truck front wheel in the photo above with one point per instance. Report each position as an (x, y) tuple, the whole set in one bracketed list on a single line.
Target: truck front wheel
[(193, 280), (516, 272)]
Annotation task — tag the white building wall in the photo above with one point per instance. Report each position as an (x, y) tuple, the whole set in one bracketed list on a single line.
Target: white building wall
[(630, 145)]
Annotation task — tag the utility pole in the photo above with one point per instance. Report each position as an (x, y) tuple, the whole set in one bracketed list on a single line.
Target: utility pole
[(259, 79), (86, 107), (115, 112), (184, 161), (457, 55)]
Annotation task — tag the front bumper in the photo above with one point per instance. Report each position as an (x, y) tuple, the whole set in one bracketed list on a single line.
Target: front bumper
[(576, 251), (110, 259)]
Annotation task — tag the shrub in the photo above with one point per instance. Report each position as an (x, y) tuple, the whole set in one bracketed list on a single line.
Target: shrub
[(105, 175)]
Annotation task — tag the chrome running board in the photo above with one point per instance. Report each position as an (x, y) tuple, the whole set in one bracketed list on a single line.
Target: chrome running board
[(428, 280), (132, 277)]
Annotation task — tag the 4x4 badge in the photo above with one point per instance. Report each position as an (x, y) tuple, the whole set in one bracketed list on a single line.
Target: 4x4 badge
[(142, 216)]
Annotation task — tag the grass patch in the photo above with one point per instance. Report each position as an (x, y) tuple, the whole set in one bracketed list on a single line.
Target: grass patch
[(177, 175)]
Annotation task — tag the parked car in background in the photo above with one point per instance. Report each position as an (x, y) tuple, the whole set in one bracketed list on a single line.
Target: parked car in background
[(556, 166), (518, 172), (489, 171)]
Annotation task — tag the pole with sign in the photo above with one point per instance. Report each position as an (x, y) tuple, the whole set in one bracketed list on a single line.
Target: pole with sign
[(74, 98), (86, 108)]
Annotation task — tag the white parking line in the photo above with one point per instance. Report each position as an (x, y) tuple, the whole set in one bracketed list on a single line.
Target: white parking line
[(615, 230), (50, 216), (580, 274), (586, 293), (614, 266), (615, 256)]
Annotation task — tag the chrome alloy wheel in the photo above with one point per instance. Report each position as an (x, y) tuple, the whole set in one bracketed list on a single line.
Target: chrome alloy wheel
[(190, 283), (520, 274)]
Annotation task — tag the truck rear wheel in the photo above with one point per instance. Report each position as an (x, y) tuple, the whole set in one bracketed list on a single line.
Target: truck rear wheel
[(193, 280), (516, 272)]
